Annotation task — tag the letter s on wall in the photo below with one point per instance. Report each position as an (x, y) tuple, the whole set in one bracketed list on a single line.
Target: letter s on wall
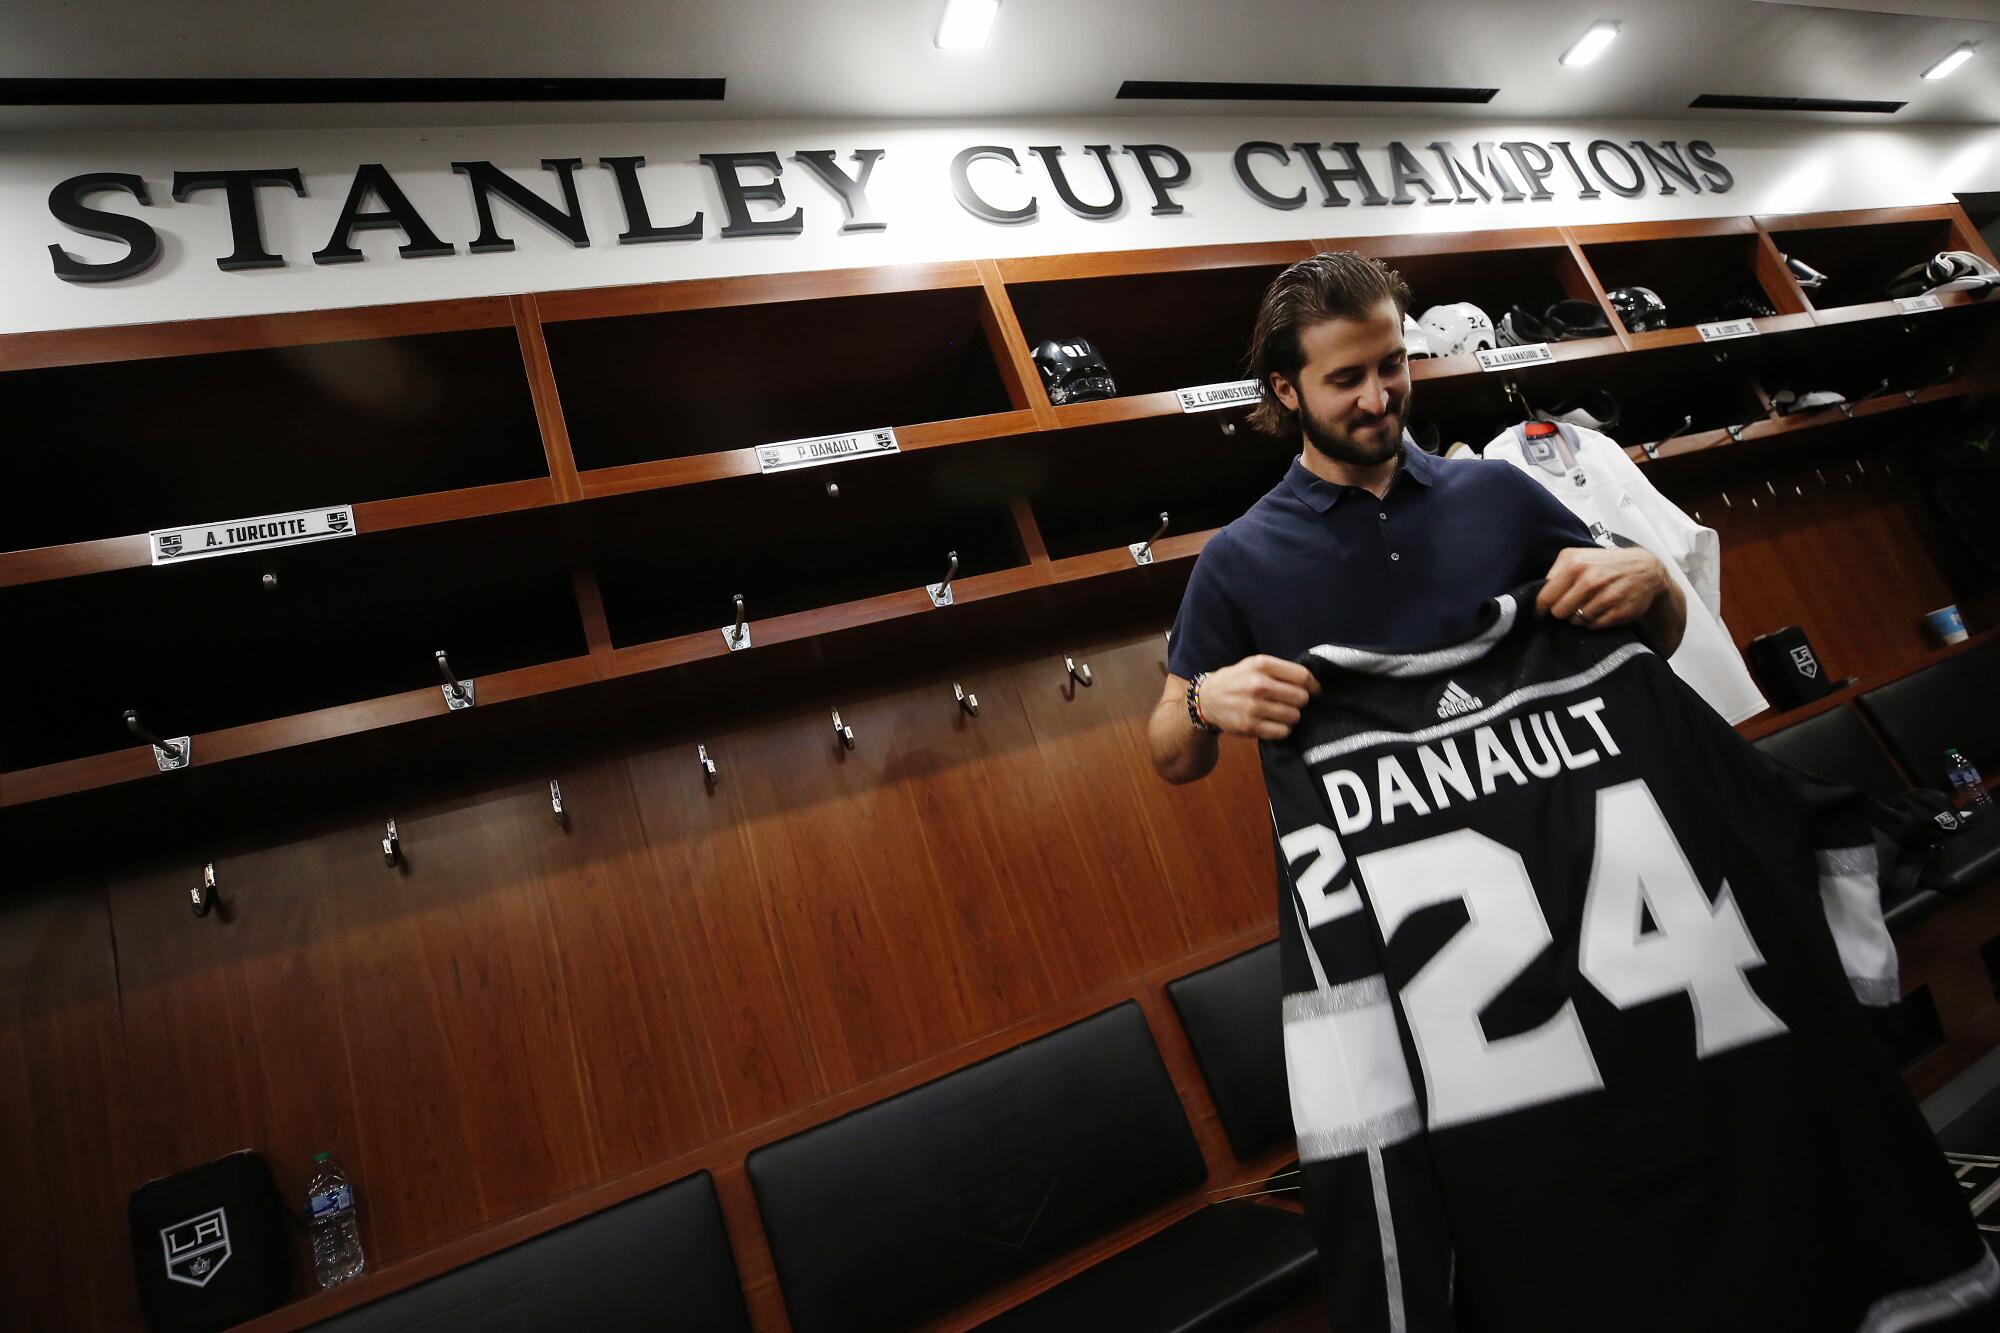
[(67, 207)]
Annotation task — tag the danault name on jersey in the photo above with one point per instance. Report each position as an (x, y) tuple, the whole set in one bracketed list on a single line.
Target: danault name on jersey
[(1537, 746)]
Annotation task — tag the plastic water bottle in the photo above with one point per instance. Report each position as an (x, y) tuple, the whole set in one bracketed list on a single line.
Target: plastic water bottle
[(330, 1215), (1967, 792)]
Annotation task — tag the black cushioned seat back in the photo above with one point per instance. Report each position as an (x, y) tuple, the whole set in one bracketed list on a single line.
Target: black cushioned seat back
[(1836, 746), (903, 1209), (658, 1261), (1232, 1013), (1955, 702)]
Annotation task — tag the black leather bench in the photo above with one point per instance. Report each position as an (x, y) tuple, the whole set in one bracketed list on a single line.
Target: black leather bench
[(1233, 1016), (658, 1261), (1950, 704), (920, 1203), (1837, 746)]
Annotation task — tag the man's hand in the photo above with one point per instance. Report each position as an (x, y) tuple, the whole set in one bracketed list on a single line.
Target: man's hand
[(1260, 696), (1593, 588)]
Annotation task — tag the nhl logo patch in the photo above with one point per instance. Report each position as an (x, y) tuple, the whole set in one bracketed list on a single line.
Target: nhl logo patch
[(196, 1249), (1803, 659), (338, 520), (170, 543)]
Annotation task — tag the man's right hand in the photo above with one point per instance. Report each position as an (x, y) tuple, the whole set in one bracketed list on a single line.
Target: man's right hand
[(1260, 696)]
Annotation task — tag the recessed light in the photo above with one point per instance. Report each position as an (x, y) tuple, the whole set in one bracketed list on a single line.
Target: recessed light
[(1951, 62), (1591, 45), (965, 24)]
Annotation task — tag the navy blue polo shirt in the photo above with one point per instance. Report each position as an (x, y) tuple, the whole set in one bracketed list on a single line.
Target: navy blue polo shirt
[(1313, 562)]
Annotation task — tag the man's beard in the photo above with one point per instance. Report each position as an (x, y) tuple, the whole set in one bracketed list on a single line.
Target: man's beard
[(1342, 447)]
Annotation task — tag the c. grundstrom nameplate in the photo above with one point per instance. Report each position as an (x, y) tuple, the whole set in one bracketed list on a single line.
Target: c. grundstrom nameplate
[(1213, 397), (1506, 358), (1723, 329), (174, 546), (823, 449)]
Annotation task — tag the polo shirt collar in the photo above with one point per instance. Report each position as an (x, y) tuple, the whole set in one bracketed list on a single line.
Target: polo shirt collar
[(1321, 495)]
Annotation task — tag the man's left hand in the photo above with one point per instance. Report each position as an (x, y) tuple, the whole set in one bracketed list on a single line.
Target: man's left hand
[(1594, 588)]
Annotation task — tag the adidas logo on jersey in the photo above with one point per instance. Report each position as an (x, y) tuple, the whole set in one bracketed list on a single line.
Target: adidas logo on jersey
[(1456, 701)]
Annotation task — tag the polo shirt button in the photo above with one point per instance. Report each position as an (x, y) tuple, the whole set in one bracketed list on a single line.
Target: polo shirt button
[(1384, 516), (1394, 556)]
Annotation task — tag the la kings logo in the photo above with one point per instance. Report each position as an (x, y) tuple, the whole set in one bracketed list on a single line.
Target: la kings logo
[(197, 1249), (1455, 701)]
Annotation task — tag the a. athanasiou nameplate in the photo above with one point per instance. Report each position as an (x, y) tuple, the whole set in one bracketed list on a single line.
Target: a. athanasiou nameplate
[(1722, 330), (174, 546), (1506, 358), (824, 449), (1214, 397)]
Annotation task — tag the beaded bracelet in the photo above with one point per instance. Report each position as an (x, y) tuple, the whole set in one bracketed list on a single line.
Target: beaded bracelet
[(1194, 706)]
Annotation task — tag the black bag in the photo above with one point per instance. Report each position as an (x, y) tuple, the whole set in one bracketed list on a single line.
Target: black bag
[(209, 1245), (1787, 670)]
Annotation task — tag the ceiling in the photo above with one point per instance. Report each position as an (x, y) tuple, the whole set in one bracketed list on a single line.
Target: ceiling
[(874, 58)]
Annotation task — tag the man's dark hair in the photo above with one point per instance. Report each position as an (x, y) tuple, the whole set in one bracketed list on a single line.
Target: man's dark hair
[(1334, 284)]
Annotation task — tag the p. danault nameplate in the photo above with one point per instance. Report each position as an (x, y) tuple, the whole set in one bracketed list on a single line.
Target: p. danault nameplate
[(790, 454), (174, 546)]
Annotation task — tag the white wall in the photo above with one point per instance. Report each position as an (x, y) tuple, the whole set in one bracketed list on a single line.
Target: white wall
[(1793, 168)]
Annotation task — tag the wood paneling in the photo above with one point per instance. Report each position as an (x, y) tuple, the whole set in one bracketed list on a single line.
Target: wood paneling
[(66, 1159)]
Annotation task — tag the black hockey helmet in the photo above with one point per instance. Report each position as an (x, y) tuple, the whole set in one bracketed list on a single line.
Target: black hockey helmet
[(1640, 309), (1072, 371), (1571, 319)]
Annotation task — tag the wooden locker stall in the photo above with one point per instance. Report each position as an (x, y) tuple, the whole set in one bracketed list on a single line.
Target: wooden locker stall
[(524, 1018)]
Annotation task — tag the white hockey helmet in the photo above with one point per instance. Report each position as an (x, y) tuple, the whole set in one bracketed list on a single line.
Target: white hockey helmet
[(1416, 342), (1459, 327)]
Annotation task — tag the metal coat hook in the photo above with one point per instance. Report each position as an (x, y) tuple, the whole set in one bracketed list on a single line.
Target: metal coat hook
[(1228, 428), (168, 754), (941, 591), (1950, 374), (1512, 388), (708, 773), (1847, 409), (737, 636), (392, 846), (1653, 448), (1142, 552), (203, 894), (1078, 671), (270, 580), (555, 800), (1729, 503), (841, 730), (457, 693), (832, 489), (969, 702)]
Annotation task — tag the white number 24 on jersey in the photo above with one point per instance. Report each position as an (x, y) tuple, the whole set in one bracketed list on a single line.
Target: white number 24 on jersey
[(1698, 949)]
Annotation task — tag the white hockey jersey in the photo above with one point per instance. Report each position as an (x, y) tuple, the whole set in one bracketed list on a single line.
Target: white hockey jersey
[(1608, 491)]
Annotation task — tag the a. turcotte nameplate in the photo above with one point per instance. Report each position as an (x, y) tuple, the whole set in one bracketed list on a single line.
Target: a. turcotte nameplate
[(174, 546), (824, 449)]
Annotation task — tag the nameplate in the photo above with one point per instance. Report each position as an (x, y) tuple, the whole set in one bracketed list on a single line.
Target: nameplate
[(1212, 397), (1910, 305), (823, 449), (1507, 358), (175, 546), (1723, 329)]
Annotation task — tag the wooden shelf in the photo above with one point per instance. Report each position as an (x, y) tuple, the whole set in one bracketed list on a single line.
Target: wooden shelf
[(1205, 285), (214, 747), (1774, 427), (1765, 723)]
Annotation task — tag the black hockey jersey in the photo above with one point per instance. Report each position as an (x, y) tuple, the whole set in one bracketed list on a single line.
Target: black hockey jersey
[(1574, 1016)]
